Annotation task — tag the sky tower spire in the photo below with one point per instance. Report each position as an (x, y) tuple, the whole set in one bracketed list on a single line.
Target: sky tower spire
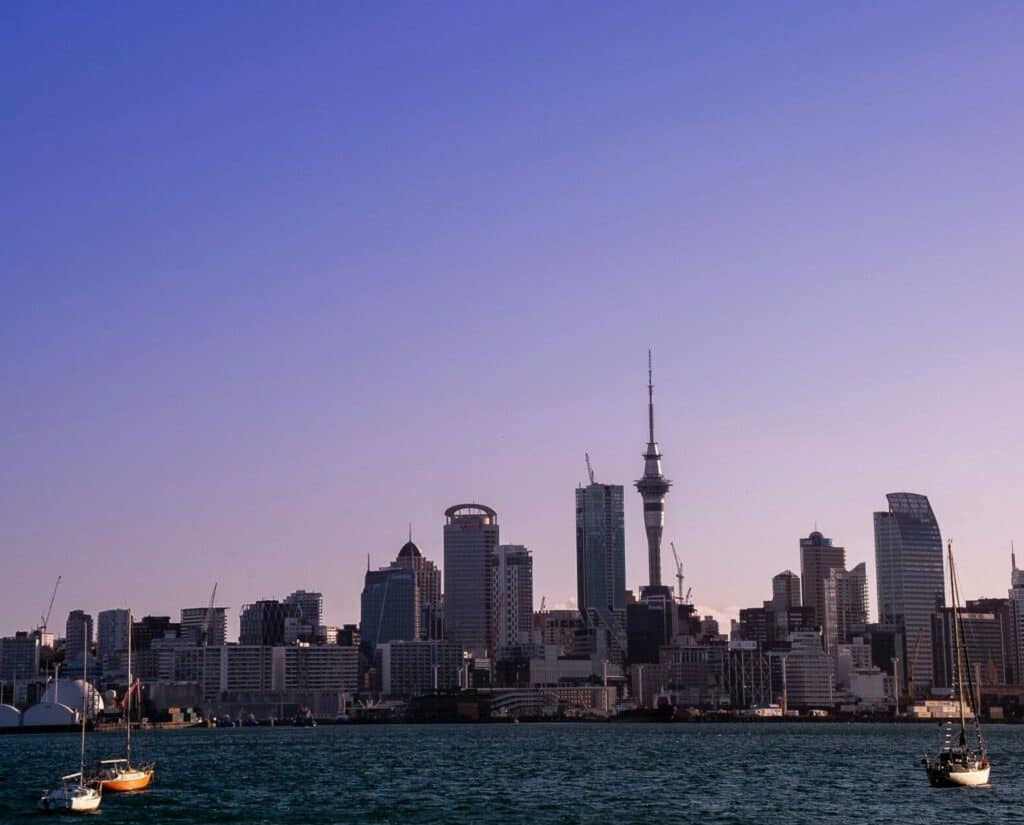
[(652, 488)]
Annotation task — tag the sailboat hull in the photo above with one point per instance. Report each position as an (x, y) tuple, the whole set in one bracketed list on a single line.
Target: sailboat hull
[(75, 799), (969, 776), (127, 780)]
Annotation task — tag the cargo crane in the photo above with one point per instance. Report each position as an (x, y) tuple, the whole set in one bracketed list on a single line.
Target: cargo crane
[(913, 663), (45, 620)]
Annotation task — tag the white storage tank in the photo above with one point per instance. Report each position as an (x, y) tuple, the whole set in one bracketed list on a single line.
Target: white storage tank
[(10, 716), (69, 692), (48, 714)]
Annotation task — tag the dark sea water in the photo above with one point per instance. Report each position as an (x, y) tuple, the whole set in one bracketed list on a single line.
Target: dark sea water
[(530, 773)]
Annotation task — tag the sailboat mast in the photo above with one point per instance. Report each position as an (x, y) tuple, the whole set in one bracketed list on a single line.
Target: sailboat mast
[(85, 691), (954, 592), (128, 698)]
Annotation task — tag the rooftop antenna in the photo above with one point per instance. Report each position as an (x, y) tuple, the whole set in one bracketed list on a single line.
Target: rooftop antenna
[(410, 532), (1013, 555), (590, 469), (367, 562), (650, 397)]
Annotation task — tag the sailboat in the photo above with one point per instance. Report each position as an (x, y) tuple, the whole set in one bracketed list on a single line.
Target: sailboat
[(75, 795), (120, 775), (960, 763)]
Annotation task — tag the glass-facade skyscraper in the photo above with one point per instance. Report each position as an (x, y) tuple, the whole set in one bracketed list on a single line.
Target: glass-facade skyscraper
[(911, 582), (470, 539), (601, 564)]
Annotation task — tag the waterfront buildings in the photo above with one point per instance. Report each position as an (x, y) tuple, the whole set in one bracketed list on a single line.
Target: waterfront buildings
[(470, 539), (513, 598), (412, 668), (807, 679), (77, 633), (818, 556), (652, 488), (601, 566), (911, 583)]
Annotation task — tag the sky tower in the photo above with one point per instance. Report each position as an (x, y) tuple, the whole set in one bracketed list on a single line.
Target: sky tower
[(652, 488)]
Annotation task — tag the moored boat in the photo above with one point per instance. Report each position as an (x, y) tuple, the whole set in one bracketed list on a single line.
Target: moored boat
[(964, 762), (119, 775), (74, 794)]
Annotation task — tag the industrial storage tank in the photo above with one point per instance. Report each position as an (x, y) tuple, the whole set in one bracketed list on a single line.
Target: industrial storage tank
[(47, 714), (69, 692), (10, 716)]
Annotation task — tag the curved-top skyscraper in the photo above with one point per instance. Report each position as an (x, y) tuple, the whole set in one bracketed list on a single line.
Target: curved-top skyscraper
[(653, 487)]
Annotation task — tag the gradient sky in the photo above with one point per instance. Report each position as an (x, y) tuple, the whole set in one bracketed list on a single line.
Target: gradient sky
[(279, 279)]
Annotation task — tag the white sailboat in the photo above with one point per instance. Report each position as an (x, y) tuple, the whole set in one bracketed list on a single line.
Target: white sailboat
[(75, 795), (960, 763), (119, 774)]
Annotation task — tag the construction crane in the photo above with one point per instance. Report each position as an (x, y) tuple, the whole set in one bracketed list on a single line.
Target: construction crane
[(679, 577), (913, 662), (46, 619), (543, 602), (590, 469), (205, 629)]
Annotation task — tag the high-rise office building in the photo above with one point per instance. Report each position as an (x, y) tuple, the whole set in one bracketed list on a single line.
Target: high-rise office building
[(111, 635), (911, 581), (601, 565), (470, 539), (428, 586), (983, 654), (1016, 600), (846, 605), (513, 597), (785, 590), (193, 619), (818, 556), (389, 608), (77, 633), (263, 622), (653, 488), (311, 607)]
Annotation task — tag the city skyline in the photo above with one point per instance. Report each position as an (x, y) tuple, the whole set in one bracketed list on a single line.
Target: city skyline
[(268, 304)]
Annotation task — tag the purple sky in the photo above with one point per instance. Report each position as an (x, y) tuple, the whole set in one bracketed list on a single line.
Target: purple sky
[(279, 279)]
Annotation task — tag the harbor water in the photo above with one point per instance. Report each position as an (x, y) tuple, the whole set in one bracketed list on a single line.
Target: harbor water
[(529, 773)]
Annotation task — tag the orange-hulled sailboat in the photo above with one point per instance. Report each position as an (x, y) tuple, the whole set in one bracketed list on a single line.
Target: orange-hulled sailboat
[(120, 775)]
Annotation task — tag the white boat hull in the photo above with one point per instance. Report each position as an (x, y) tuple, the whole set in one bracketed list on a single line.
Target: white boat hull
[(970, 779), (76, 799)]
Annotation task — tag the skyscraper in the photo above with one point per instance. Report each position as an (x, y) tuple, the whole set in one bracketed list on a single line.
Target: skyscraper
[(652, 488), (111, 634), (428, 585), (513, 597), (470, 539), (846, 605), (1016, 600), (310, 605), (77, 633), (911, 580), (389, 608), (601, 564), (785, 590), (263, 622), (818, 556), (193, 619)]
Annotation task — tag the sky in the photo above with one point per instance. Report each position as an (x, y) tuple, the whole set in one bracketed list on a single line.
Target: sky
[(279, 280)]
